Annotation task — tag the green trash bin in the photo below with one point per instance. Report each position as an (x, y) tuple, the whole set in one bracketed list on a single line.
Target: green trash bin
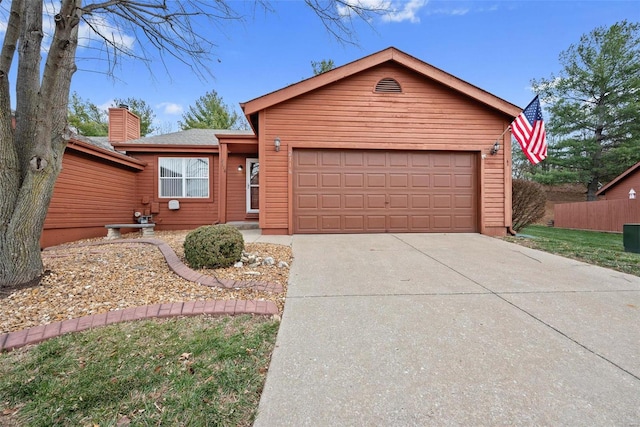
[(631, 238)]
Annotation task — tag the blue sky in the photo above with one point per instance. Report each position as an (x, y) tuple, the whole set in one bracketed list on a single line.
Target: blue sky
[(498, 46)]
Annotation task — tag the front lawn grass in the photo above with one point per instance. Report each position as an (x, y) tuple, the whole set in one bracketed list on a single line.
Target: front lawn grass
[(593, 247), (179, 372)]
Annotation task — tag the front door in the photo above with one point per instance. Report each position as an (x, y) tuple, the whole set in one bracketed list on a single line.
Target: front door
[(252, 185)]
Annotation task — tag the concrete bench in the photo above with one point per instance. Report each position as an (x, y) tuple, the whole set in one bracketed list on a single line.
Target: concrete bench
[(113, 230)]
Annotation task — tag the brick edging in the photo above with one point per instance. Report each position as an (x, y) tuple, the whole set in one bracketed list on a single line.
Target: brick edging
[(181, 269), (12, 340)]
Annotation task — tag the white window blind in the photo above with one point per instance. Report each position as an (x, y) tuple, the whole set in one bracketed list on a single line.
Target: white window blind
[(184, 177)]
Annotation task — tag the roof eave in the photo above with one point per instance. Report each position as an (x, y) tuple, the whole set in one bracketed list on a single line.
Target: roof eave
[(617, 179), (128, 147), (100, 152)]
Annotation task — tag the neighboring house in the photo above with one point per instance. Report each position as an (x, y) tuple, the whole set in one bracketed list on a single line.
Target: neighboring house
[(387, 143), (620, 187)]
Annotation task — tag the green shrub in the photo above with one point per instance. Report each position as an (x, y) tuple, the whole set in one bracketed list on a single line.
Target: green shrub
[(528, 203), (213, 246)]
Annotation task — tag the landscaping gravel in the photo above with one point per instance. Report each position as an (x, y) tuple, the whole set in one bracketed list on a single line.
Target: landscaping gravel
[(83, 280)]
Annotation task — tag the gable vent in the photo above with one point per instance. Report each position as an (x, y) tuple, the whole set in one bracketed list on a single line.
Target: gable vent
[(388, 85)]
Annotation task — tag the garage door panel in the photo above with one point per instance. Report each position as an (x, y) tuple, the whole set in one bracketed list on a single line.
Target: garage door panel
[(419, 223), (442, 201), (331, 180), (463, 181), (376, 158), (354, 223), (308, 201), (465, 162), (399, 159), (399, 201), (331, 158), (442, 222), (419, 180), (442, 162), (463, 222), (330, 201), (354, 158), (420, 159), (376, 223), (398, 180), (331, 223), (353, 191), (419, 201), (461, 201), (307, 158), (354, 180), (378, 180), (354, 201), (398, 223), (308, 180), (442, 181), (376, 201), (307, 224)]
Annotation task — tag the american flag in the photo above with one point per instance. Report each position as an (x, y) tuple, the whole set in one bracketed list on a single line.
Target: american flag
[(528, 130)]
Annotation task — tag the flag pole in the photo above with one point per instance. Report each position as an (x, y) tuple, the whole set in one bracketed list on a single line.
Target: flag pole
[(502, 134), (496, 144)]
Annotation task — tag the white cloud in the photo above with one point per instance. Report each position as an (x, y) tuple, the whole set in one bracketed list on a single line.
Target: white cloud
[(407, 12), (345, 10), (106, 105), (459, 11), (101, 28), (395, 10), (170, 108)]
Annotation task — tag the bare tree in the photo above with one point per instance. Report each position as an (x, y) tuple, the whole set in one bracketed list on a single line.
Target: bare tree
[(31, 151)]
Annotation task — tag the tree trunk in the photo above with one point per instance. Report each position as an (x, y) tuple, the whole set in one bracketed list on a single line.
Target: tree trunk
[(20, 260), (31, 154), (592, 189)]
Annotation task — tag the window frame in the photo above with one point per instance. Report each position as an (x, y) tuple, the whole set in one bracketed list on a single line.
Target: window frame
[(184, 178)]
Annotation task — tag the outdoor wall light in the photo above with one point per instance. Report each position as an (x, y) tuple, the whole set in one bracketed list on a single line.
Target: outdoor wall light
[(276, 143), (632, 194), (240, 168), (495, 148)]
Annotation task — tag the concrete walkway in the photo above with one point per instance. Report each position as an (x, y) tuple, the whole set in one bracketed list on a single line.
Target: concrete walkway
[(434, 329)]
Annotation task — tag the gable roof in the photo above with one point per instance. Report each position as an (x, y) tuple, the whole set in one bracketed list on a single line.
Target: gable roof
[(185, 137), (389, 54), (617, 179)]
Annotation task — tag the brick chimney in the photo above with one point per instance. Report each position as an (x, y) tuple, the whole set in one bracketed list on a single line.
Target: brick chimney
[(123, 124)]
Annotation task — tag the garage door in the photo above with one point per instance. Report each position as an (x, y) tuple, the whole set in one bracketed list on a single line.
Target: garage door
[(374, 191)]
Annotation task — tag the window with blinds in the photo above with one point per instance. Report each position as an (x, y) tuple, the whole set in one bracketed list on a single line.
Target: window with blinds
[(184, 177)]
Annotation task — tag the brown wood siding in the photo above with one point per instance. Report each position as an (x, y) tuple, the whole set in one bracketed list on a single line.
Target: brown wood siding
[(603, 215), (192, 213), (89, 193), (236, 188), (348, 114), (621, 189), (123, 125)]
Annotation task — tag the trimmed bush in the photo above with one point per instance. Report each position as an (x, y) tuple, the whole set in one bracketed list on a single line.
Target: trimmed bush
[(213, 246), (528, 203)]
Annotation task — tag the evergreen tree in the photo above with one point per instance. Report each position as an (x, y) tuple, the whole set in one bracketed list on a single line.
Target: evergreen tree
[(140, 108), (594, 106), (322, 66), (210, 112), (86, 117)]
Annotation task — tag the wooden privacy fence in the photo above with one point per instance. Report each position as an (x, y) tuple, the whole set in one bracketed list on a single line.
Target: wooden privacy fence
[(602, 215)]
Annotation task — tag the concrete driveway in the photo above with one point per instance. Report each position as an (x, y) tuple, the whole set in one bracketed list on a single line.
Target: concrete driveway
[(435, 329)]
